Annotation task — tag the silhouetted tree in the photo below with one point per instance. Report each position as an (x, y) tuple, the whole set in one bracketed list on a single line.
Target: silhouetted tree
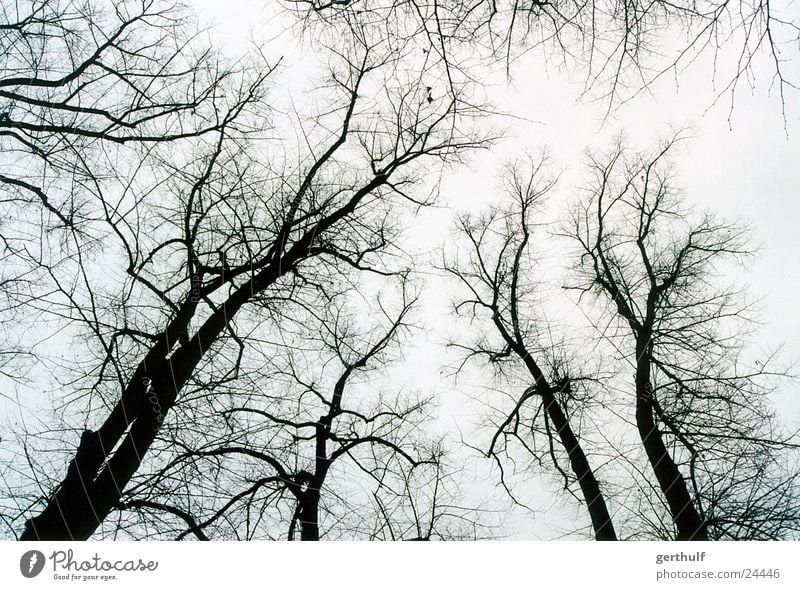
[(501, 276), (311, 442), (83, 90), (182, 248), (702, 410), (622, 47), (198, 238)]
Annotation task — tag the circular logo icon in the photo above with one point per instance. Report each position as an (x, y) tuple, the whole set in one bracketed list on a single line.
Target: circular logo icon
[(31, 563)]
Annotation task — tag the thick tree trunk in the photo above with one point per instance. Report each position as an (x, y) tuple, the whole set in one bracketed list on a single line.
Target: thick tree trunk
[(106, 459), (309, 517), (689, 523), (85, 497), (595, 502), (602, 524)]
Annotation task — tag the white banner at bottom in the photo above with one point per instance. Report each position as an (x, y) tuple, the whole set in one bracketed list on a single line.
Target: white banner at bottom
[(362, 565)]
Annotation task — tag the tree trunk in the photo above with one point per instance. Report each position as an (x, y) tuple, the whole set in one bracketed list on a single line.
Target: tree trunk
[(309, 516), (590, 488), (690, 525), (598, 511), (85, 497)]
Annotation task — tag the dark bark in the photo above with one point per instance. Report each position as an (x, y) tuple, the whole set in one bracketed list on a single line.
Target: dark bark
[(502, 278), (307, 486), (85, 497), (602, 524), (590, 488), (308, 512), (687, 519), (309, 516), (595, 501)]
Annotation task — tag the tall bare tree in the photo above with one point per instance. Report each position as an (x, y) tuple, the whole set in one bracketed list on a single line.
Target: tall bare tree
[(202, 237), (80, 86), (309, 445), (179, 244), (701, 410), (500, 276)]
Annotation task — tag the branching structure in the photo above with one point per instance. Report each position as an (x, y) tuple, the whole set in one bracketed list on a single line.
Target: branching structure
[(187, 244), (84, 93), (622, 47), (289, 446), (205, 235), (703, 416), (499, 275)]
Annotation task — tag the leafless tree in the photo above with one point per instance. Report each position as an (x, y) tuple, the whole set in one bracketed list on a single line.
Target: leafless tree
[(76, 79), (181, 246), (310, 445), (216, 237), (702, 409), (501, 278)]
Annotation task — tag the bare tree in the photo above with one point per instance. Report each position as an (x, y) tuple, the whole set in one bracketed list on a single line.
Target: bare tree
[(288, 463), (703, 415), (180, 247), (242, 222), (75, 78), (501, 277)]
